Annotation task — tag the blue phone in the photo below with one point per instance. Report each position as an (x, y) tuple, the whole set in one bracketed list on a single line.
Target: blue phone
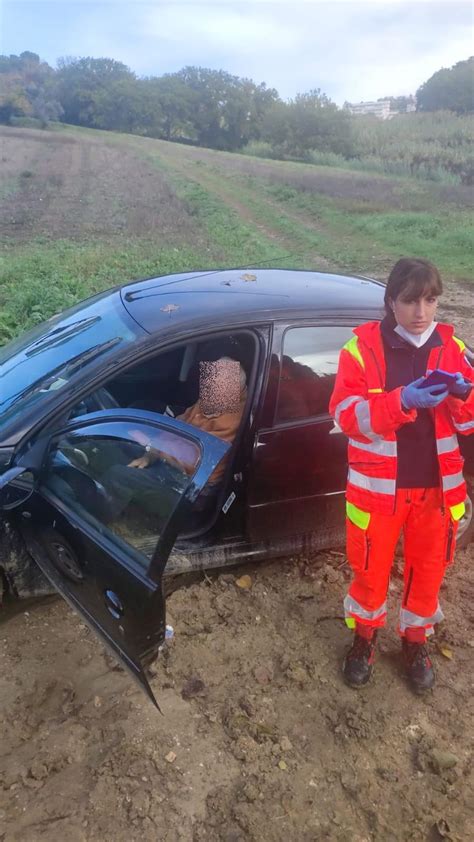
[(438, 377)]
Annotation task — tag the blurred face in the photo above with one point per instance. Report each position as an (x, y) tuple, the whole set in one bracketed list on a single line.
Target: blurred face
[(416, 315), (219, 387)]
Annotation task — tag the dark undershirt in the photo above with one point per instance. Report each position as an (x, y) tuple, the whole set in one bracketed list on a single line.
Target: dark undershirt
[(416, 441)]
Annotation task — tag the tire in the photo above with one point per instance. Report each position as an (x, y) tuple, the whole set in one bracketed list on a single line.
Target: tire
[(466, 524)]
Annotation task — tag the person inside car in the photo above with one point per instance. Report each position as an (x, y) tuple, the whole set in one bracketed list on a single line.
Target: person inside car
[(218, 411)]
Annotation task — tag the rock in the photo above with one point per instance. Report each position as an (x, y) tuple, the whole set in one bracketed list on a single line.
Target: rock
[(247, 706), (170, 757), (331, 575), (443, 828), (264, 673), (297, 673), (38, 770), (282, 765), (194, 686), (387, 774), (246, 748), (441, 760), (250, 792), (285, 744)]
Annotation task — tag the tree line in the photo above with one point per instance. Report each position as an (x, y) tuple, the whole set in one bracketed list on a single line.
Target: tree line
[(210, 108)]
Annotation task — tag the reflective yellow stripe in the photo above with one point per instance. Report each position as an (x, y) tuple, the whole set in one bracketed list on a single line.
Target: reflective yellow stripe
[(350, 622), (353, 349), (460, 343), (357, 516), (457, 512), (375, 391)]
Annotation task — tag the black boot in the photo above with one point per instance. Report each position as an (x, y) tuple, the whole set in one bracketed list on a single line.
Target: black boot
[(358, 663), (418, 666)]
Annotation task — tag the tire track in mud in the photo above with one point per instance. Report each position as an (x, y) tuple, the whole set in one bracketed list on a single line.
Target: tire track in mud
[(220, 186)]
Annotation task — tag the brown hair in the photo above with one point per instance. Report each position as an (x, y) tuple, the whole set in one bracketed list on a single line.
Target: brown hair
[(412, 277)]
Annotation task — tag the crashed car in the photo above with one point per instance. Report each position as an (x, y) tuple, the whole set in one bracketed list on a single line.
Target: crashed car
[(88, 389)]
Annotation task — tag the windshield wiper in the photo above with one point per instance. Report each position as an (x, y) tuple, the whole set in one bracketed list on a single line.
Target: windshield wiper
[(61, 334), (63, 372)]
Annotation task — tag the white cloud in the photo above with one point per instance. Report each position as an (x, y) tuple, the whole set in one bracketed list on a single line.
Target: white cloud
[(351, 50)]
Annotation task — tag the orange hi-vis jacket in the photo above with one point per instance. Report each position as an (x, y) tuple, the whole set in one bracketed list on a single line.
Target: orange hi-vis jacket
[(370, 417)]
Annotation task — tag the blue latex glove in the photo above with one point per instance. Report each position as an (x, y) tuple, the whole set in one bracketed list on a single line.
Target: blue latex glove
[(461, 387), (415, 398)]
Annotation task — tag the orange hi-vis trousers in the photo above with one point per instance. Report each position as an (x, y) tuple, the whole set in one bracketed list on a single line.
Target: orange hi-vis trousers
[(429, 531)]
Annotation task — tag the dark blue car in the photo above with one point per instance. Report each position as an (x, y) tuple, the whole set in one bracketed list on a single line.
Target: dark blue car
[(81, 393)]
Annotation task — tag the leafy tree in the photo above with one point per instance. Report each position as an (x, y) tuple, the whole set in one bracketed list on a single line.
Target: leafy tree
[(13, 99), (224, 109), (310, 121), (450, 90), (122, 106), (82, 83), (46, 108), (27, 88), (170, 99)]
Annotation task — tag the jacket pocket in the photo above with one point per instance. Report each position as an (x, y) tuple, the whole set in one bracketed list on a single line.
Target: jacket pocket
[(451, 533), (358, 547)]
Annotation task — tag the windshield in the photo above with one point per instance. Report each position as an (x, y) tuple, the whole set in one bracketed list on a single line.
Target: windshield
[(45, 359)]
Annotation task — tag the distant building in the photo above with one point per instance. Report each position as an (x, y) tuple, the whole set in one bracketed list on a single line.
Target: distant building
[(384, 109)]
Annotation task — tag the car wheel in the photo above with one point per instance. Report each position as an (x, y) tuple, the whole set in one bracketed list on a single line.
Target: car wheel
[(466, 524), (62, 555)]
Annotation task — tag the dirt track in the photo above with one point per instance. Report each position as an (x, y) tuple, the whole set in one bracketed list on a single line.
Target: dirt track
[(270, 745)]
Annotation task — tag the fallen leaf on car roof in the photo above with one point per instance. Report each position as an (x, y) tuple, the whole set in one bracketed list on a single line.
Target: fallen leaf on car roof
[(169, 308)]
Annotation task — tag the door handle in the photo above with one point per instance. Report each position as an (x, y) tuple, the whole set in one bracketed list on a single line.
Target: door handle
[(113, 605)]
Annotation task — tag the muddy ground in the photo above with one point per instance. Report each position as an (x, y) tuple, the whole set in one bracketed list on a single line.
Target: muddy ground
[(267, 742), (259, 740)]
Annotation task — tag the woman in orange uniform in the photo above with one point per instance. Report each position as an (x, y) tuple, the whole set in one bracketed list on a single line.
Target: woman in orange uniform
[(405, 468)]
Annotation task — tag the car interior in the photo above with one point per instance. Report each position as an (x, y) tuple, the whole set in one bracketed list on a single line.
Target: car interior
[(170, 379), (168, 383)]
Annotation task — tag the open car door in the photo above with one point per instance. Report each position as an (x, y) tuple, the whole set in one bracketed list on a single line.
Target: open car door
[(114, 489)]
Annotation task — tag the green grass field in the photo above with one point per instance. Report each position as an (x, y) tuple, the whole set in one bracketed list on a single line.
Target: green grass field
[(99, 209)]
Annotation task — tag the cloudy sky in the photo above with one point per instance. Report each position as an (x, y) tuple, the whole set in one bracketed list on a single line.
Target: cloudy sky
[(351, 50)]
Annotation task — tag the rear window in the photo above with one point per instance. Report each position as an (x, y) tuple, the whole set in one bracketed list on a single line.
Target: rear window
[(308, 369), (46, 358)]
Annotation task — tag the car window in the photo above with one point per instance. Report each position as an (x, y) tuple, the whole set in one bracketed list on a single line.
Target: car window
[(44, 360), (308, 368), (124, 479)]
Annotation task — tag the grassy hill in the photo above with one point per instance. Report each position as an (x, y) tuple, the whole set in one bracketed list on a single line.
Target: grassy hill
[(83, 210)]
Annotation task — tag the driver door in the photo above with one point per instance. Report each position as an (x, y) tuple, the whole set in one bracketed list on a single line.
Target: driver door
[(113, 490)]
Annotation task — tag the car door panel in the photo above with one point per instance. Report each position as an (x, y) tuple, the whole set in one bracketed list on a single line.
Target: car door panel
[(298, 474), (299, 468), (135, 630), (93, 556)]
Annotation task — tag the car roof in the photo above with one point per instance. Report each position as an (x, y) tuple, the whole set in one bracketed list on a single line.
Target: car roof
[(249, 293)]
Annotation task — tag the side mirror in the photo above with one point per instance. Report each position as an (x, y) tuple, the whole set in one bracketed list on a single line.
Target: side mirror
[(16, 487)]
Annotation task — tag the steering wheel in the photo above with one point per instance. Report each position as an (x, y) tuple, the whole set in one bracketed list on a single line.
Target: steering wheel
[(100, 399), (75, 455)]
